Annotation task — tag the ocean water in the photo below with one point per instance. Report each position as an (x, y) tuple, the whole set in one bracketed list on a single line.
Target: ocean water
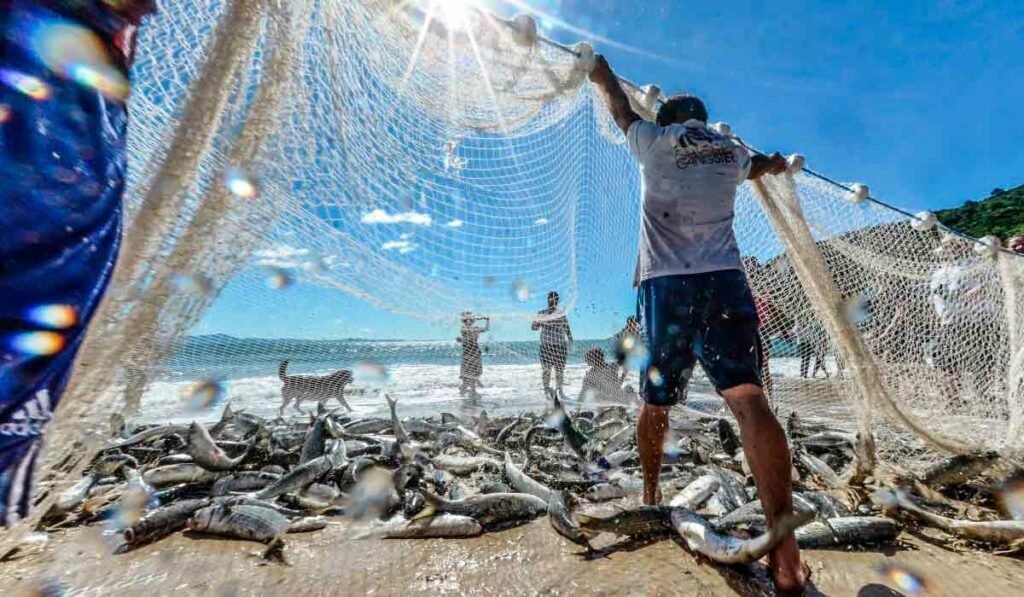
[(226, 357), (422, 376)]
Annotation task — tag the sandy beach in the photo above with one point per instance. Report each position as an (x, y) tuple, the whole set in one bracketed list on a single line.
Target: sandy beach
[(528, 560)]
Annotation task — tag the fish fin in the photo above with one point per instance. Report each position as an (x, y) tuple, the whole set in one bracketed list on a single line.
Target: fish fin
[(593, 554), (228, 414)]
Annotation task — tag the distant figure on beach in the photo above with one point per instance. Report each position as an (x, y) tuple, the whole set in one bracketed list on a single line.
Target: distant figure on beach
[(555, 342), (766, 312), (960, 303), (63, 163), (694, 300), (626, 340), (810, 343), (603, 381), (472, 366)]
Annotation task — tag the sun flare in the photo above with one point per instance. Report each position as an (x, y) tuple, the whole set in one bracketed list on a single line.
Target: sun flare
[(456, 13)]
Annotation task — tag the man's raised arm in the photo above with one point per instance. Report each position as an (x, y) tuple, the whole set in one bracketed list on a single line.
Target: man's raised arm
[(618, 103)]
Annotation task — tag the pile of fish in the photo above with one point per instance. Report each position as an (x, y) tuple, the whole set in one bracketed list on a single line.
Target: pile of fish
[(258, 479)]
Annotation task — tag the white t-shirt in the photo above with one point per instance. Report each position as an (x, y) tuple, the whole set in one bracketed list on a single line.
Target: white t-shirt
[(690, 174)]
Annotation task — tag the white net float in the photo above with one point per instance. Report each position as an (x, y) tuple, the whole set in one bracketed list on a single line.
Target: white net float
[(861, 192), (925, 220), (723, 128), (525, 30), (585, 57), (652, 93), (988, 245)]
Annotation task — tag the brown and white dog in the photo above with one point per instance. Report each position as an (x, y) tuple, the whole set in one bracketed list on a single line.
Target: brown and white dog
[(313, 387)]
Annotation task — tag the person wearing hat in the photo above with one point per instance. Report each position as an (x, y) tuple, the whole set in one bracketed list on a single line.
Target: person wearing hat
[(555, 342), (472, 366)]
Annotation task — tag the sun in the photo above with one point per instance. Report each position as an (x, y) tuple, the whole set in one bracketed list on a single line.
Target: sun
[(456, 13)]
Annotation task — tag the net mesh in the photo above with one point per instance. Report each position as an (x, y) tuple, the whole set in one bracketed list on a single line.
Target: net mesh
[(430, 163)]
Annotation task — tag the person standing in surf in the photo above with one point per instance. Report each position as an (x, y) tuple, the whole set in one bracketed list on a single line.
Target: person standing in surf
[(472, 366), (555, 343), (693, 300), (63, 142)]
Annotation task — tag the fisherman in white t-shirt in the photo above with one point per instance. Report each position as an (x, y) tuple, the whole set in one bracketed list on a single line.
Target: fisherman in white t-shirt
[(693, 300)]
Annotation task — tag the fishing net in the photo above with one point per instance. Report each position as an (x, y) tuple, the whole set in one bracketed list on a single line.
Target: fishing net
[(430, 161)]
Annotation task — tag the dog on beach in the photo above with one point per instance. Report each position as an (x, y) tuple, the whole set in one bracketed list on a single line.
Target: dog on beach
[(313, 387)]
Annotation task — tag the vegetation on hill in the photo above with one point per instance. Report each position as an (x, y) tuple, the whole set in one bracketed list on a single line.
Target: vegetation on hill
[(1001, 215)]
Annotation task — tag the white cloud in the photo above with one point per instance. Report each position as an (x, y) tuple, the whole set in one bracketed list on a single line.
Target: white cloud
[(402, 246), (455, 224), (540, 221), (282, 252), (379, 216), (406, 235), (284, 257), (292, 258)]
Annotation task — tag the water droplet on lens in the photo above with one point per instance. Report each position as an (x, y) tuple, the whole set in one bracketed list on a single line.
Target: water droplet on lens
[(240, 183), (911, 583), (46, 587), (38, 343), (33, 87), (370, 373), (370, 497), (204, 395), (198, 284), (277, 278), (654, 376), (1011, 497), (521, 290), (555, 419), (54, 316), (637, 357), (74, 52)]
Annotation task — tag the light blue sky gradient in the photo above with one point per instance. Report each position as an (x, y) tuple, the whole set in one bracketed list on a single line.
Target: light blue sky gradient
[(921, 100)]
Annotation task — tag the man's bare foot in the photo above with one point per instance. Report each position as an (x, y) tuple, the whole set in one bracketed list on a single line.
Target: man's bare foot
[(789, 574)]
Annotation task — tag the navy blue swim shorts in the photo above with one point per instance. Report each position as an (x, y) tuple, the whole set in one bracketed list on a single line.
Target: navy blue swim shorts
[(707, 317)]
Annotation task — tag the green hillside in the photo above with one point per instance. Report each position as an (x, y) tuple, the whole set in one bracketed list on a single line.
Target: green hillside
[(1002, 214)]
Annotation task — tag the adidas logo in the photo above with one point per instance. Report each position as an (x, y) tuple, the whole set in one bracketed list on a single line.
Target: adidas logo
[(31, 418)]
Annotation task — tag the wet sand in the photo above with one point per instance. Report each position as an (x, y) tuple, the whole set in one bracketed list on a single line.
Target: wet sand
[(528, 560)]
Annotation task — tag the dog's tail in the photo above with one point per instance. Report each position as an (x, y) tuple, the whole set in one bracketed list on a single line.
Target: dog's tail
[(282, 370)]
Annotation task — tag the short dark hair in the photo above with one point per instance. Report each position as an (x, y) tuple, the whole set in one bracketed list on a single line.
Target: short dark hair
[(681, 107)]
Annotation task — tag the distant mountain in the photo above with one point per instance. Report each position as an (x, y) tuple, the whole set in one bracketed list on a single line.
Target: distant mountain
[(1002, 215)]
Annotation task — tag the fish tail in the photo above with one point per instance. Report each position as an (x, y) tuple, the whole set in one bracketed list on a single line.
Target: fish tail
[(275, 552), (430, 509)]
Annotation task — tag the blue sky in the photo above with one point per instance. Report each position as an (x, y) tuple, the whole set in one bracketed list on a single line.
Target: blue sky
[(923, 101)]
